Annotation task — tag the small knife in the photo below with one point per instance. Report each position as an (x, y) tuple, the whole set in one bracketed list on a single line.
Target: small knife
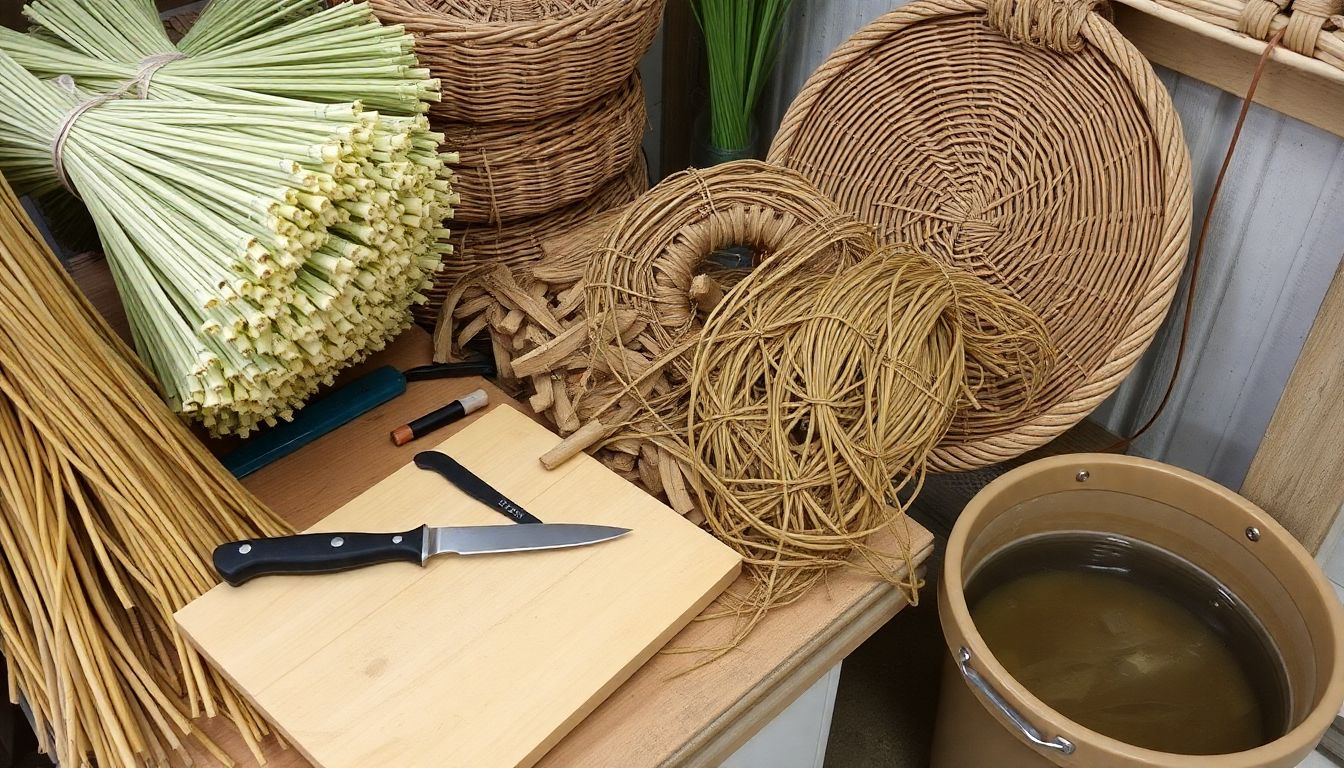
[(241, 561), (467, 482)]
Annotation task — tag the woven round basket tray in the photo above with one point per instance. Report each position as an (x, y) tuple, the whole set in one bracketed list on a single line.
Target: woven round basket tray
[(509, 60), (521, 243), (511, 171), (1030, 143)]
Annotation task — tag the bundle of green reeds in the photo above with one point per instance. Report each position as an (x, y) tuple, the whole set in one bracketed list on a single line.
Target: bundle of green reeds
[(268, 192), (741, 42)]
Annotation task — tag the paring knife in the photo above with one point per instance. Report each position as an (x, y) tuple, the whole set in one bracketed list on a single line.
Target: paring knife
[(467, 482), (241, 561)]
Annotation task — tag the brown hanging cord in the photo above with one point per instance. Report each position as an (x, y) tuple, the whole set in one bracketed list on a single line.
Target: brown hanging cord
[(1124, 443)]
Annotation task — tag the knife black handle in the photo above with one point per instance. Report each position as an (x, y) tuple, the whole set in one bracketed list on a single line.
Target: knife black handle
[(472, 485), (485, 368), (241, 561)]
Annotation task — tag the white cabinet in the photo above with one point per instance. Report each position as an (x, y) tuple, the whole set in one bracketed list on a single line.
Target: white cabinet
[(797, 737)]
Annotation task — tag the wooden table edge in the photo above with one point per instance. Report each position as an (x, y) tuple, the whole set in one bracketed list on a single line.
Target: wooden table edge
[(736, 725)]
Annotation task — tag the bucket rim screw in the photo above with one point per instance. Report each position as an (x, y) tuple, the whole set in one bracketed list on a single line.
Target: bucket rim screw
[(1253, 533), (1082, 476)]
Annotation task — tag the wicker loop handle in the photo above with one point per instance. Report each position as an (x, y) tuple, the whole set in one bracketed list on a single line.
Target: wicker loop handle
[(1053, 24), (1308, 20), (712, 220)]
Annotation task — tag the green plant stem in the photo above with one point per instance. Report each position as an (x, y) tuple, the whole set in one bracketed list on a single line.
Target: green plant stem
[(741, 42)]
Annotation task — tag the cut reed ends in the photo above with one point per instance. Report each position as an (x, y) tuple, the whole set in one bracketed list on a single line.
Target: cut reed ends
[(109, 512), (268, 192)]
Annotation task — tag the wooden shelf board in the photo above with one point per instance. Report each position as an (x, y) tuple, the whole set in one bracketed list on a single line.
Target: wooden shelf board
[(1296, 85)]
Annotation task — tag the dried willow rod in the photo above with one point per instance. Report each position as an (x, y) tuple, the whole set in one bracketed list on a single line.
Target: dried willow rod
[(109, 510), (816, 400)]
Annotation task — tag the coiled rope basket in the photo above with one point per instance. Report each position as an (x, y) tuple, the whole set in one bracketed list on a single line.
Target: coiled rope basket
[(1025, 141), (526, 59)]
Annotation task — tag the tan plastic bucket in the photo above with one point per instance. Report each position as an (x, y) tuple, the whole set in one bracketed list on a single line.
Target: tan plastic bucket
[(986, 719)]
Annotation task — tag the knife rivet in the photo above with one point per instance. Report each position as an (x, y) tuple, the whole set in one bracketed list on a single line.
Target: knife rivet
[(243, 550), (338, 541), (396, 539)]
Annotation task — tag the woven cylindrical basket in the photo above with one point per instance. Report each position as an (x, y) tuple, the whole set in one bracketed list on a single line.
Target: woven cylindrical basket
[(521, 243), (511, 171), (509, 60), (1030, 143)]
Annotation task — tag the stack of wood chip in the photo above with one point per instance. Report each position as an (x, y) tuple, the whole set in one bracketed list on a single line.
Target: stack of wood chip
[(545, 108)]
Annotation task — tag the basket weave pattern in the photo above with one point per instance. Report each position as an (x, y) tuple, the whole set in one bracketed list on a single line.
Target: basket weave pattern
[(511, 171), (1043, 155), (531, 66), (520, 243)]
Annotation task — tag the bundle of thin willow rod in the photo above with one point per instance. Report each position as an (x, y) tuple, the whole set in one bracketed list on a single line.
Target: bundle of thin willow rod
[(109, 510), (266, 226), (815, 403)]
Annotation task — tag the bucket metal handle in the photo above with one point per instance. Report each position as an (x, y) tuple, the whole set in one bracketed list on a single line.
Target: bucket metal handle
[(1028, 731)]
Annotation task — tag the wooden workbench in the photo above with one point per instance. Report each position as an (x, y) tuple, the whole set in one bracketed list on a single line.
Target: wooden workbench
[(671, 712)]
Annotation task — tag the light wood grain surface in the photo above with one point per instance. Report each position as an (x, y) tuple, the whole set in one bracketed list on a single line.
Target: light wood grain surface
[(504, 653), (1298, 473), (1296, 85)]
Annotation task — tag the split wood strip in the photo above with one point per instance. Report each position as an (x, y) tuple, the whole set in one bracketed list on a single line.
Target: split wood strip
[(1296, 475), (1028, 142), (109, 512)]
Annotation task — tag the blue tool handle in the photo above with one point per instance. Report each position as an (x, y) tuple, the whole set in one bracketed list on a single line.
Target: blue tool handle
[(316, 419)]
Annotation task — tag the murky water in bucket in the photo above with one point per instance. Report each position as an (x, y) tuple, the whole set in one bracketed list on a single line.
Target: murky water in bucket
[(1132, 642)]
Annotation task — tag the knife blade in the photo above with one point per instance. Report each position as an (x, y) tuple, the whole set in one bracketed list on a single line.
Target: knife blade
[(307, 553), (467, 482)]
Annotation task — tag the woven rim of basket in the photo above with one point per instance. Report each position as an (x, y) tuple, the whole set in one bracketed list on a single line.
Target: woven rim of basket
[(431, 19), (526, 10), (1151, 309), (510, 171)]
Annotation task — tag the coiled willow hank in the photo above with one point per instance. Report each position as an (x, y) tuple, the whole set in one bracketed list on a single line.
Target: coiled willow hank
[(792, 409)]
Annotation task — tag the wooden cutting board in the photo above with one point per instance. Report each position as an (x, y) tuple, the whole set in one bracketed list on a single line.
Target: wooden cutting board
[(477, 662)]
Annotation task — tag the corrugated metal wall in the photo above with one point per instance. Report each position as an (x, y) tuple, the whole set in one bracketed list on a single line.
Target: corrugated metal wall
[(1276, 239)]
